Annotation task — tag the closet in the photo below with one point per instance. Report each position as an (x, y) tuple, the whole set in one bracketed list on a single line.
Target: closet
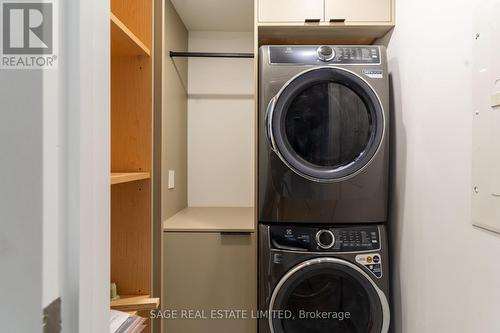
[(183, 169), (291, 10), (359, 11), (208, 164), (131, 156), (326, 11)]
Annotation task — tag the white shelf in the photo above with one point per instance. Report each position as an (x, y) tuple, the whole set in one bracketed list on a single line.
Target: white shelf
[(212, 219)]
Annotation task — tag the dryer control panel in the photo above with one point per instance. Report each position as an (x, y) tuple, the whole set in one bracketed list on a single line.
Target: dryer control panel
[(322, 239), (324, 55)]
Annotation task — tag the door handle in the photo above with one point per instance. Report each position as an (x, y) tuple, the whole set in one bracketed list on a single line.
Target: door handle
[(337, 20), (312, 20), (269, 123)]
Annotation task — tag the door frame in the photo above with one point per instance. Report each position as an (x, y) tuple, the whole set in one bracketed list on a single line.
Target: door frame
[(86, 229)]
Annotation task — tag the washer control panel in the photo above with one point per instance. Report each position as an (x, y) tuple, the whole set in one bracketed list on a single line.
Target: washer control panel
[(324, 54), (321, 239)]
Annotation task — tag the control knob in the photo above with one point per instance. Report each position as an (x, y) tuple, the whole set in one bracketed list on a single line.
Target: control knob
[(325, 53), (325, 239)]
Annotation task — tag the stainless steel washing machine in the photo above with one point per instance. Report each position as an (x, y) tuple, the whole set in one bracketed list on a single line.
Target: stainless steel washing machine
[(323, 134), (320, 279)]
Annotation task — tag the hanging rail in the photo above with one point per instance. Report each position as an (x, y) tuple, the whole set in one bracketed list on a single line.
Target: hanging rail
[(211, 55)]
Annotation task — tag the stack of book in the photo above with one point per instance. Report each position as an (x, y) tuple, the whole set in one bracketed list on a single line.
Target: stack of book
[(122, 322)]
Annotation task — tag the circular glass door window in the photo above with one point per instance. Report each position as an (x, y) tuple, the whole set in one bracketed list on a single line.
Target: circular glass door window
[(327, 124), (327, 298)]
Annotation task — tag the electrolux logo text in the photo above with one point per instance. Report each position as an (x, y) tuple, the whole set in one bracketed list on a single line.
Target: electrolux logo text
[(28, 34)]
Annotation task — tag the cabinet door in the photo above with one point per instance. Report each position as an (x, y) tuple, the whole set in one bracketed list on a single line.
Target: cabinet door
[(290, 10), (209, 271), (359, 10)]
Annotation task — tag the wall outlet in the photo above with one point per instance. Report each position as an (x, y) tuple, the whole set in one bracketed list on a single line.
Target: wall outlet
[(171, 179)]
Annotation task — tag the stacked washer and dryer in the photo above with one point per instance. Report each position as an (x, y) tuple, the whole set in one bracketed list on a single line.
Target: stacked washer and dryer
[(323, 189)]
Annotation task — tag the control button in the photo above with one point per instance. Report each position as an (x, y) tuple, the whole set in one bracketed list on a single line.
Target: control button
[(325, 53), (325, 239), (369, 260), (376, 259)]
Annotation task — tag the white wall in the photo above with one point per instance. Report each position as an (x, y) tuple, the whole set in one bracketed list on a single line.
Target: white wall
[(220, 122), (21, 206), (446, 272)]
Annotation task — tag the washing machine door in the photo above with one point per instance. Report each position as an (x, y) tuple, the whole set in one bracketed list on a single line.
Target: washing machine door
[(326, 124), (327, 295)]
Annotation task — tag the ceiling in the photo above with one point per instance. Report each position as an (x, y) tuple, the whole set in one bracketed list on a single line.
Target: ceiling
[(216, 15)]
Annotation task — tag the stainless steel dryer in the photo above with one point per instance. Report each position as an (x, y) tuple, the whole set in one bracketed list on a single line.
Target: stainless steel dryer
[(323, 134), (323, 279)]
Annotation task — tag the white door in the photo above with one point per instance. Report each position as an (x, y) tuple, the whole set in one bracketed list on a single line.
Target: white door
[(54, 179), (359, 10), (290, 10)]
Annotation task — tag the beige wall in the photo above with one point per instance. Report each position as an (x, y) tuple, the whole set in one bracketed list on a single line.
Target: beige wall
[(221, 122), (174, 117), (446, 272)]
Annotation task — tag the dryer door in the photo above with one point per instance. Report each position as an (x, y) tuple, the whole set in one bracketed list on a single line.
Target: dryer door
[(326, 124), (326, 295)]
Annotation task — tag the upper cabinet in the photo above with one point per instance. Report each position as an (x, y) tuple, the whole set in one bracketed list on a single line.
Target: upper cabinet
[(291, 10), (358, 10), (325, 11)]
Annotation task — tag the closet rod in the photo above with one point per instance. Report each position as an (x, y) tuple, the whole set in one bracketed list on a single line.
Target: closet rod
[(211, 55)]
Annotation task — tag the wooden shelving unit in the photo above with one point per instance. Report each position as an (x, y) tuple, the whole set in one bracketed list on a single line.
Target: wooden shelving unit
[(131, 155), (125, 177)]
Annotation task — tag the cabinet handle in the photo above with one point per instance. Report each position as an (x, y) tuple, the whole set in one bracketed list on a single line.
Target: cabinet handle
[(235, 233), (337, 20), (312, 20)]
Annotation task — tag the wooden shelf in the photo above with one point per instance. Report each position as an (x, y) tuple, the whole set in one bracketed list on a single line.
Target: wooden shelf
[(129, 303), (124, 42), (212, 219), (125, 177), (285, 34)]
